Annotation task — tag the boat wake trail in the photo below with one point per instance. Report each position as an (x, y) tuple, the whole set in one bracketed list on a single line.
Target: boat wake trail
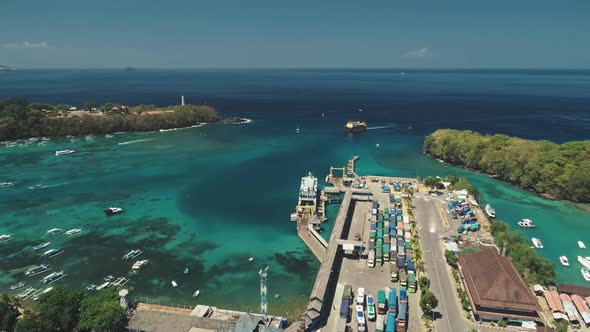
[(136, 141), (380, 127)]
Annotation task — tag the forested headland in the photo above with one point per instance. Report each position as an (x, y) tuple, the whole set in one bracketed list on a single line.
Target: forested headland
[(555, 171), (21, 119)]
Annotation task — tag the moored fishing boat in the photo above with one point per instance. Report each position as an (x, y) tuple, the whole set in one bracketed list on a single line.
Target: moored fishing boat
[(52, 252), (55, 276), (490, 211), (112, 211), (581, 245), (63, 152), (103, 285), (5, 237), (585, 273), (38, 269), (73, 231), (526, 223), (174, 284), (537, 243), (584, 261), (54, 231), (564, 261), (196, 293), (6, 184), (41, 246), (132, 254), (139, 264)]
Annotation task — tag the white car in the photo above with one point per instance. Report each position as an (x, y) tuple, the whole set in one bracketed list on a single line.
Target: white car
[(434, 195)]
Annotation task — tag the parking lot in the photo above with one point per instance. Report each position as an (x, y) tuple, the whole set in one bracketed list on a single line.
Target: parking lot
[(355, 272)]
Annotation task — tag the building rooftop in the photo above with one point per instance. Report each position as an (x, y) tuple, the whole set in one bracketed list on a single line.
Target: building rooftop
[(573, 289), (493, 281)]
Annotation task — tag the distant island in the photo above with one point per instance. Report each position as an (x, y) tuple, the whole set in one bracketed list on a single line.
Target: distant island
[(555, 171), (21, 119), (6, 68)]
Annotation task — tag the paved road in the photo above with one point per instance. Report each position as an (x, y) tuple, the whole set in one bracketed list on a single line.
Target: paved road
[(449, 317)]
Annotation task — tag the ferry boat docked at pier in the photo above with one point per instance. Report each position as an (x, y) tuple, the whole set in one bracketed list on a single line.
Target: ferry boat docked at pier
[(63, 152), (355, 126), (308, 198), (564, 261), (537, 243), (37, 270), (490, 211)]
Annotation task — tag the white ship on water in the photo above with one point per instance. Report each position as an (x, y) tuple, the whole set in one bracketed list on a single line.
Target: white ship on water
[(490, 211), (63, 152), (308, 198)]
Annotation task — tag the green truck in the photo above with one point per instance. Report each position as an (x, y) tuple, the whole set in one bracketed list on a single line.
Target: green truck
[(379, 259), (403, 278), (386, 251), (393, 271), (412, 282)]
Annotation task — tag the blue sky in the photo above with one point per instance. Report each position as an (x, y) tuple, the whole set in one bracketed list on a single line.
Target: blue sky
[(295, 34)]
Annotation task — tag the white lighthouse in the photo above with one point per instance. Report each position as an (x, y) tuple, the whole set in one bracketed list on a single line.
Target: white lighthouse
[(182, 100)]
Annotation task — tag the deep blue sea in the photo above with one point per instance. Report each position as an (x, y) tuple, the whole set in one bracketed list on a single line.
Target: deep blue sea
[(208, 198)]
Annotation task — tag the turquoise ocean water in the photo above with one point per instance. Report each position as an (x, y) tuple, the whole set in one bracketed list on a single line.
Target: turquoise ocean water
[(209, 198)]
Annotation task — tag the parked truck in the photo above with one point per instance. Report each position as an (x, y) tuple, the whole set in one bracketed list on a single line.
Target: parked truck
[(360, 296), (403, 278), (386, 252), (392, 301), (381, 303), (401, 263), (371, 258), (402, 317), (410, 264), (390, 325), (380, 324), (379, 257), (393, 271), (411, 282)]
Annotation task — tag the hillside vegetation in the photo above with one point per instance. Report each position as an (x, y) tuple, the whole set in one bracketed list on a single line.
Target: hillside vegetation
[(556, 171), (21, 119)]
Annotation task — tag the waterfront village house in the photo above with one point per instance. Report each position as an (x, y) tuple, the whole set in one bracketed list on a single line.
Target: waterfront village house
[(73, 108), (495, 288), (461, 194), (119, 109)]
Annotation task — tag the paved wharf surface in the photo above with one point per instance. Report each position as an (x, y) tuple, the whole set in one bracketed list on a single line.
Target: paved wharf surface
[(321, 287)]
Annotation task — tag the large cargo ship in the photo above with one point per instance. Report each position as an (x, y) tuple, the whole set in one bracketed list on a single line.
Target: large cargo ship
[(355, 126)]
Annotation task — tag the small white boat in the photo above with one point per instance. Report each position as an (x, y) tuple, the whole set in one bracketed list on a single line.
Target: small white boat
[(277, 295), (526, 223), (6, 184), (297, 130), (186, 270), (73, 231), (132, 254), (251, 259), (323, 115), (5, 237), (174, 284), (196, 293), (103, 285), (34, 270), (139, 264), (584, 261), (52, 252), (41, 246), (564, 261), (537, 243), (585, 273), (63, 152), (54, 231), (581, 245), (377, 145), (490, 211), (112, 211)]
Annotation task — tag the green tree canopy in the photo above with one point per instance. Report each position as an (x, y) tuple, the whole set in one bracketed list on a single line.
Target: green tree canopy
[(33, 322), (560, 171), (8, 314), (101, 312), (428, 301), (61, 306)]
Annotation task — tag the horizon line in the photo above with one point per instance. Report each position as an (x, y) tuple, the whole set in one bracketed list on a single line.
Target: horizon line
[(303, 68)]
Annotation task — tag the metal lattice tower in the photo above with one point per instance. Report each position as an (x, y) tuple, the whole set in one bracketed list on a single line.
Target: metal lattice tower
[(263, 303)]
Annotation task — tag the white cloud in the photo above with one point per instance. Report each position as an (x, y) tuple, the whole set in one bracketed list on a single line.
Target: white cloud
[(26, 44), (423, 52)]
